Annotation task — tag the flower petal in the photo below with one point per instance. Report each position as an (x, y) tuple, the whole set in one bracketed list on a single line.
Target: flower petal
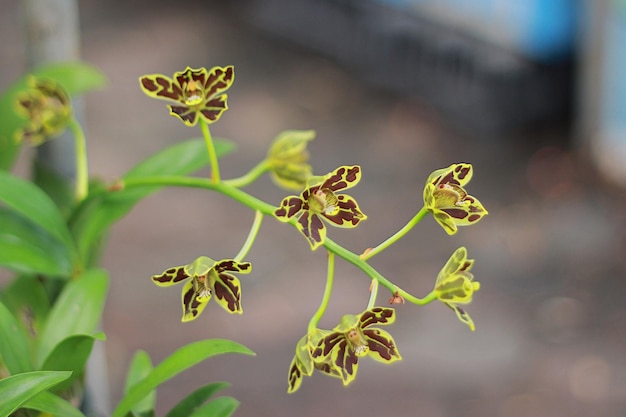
[(161, 87), (445, 221), (377, 315), (187, 115), (227, 290), (233, 266), (342, 178), (463, 316), (289, 207), (381, 346), (456, 174), (456, 288), (294, 377), (213, 108), (200, 266), (348, 214), (457, 262), (219, 80), (313, 229), (170, 276), (344, 360), (192, 304)]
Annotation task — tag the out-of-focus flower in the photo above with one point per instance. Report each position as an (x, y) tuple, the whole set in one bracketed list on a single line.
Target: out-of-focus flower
[(288, 159), (207, 277), (198, 93), (353, 338), (48, 109), (455, 284), (320, 201), (447, 200)]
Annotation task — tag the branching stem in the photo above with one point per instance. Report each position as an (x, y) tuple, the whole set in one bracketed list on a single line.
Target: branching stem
[(268, 210)]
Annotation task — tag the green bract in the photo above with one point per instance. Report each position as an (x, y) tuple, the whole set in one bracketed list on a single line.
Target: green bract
[(48, 109), (455, 284), (288, 159), (447, 200), (196, 92), (353, 338), (207, 277), (320, 201)]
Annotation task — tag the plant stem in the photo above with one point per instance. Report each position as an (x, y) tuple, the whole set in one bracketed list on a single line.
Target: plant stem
[(82, 175), (250, 177), (254, 230), (368, 254), (267, 209), (327, 291), (208, 139)]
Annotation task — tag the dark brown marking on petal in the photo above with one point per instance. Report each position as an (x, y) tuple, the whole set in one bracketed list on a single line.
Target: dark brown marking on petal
[(226, 289), (185, 113), (336, 180), (474, 217), (379, 344), (346, 359), (191, 303), (168, 89), (315, 226), (455, 213), (326, 345), (148, 84), (376, 315), (348, 212), (294, 375), (462, 171), (216, 104)]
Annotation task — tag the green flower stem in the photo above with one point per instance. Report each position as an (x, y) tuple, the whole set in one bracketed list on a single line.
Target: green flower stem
[(208, 139), (254, 230), (373, 294), (82, 175), (327, 291), (251, 176), (368, 254), (268, 209)]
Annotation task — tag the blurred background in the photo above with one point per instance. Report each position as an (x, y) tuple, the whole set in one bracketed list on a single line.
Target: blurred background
[(532, 93)]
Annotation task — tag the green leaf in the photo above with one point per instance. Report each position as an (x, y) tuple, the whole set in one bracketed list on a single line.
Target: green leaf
[(182, 359), (26, 298), (219, 407), (14, 351), (194, 400), (75, 77), (78, 310), (96, 215), (32, 203), (140, 367), (71, 354), (49, 403), (27, 248), (18, 389)]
